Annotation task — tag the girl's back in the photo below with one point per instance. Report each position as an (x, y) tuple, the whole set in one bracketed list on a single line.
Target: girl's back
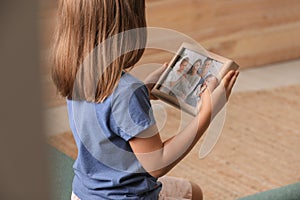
[(106, 167)]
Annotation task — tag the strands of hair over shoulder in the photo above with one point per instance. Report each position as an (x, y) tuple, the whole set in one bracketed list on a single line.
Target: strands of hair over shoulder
[(94, 41)]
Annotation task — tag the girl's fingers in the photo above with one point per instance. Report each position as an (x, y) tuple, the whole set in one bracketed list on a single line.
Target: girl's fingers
[(165, 65), (202, 89), (231, 83), (154, 76), (233, 80), (162, 68), (226, 80)]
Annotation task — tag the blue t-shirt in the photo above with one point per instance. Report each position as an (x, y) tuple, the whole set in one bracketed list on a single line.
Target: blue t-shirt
[(106, 167)]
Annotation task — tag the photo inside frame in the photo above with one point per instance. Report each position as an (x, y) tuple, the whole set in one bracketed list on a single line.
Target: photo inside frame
[(187, 74)]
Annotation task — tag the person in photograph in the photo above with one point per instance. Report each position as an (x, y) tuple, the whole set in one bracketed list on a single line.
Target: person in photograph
[(208, 75), (205, 76), (176, 73), (186, 83), (205, 69)]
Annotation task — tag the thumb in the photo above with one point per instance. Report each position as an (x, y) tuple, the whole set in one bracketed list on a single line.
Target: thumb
[(161, 69), (226, 80), (154, 76)]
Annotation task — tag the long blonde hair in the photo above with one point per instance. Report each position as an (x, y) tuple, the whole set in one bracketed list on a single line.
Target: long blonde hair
[(88, 58)]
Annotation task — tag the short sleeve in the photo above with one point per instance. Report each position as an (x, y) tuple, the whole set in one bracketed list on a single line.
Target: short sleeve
[(132, 112)]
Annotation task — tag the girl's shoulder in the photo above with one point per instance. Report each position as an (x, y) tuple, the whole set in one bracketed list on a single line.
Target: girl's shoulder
[(128, 83), (130, 87), (128, 79)]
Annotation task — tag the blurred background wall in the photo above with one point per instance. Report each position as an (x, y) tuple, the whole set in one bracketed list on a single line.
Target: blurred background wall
[(252, 32)]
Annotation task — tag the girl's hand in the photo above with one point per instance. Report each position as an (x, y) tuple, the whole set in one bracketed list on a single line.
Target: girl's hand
[(228, 82), (212, 82), (152, 79), (214, 99), (202, 88)]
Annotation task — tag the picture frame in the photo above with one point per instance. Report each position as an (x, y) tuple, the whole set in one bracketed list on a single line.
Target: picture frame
[(181, 83)]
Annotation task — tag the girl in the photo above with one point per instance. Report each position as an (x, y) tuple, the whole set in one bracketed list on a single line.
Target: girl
[(120, 153)]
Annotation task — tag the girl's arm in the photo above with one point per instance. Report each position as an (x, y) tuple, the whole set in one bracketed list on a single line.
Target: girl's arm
[(159, 157)]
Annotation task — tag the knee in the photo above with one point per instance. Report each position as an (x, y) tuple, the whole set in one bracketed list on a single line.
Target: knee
[(197, 193)]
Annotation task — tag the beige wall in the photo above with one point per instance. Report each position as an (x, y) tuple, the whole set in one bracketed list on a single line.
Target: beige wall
[(253, 33)]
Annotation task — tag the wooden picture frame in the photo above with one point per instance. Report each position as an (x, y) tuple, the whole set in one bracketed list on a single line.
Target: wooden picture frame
[(179, 84)]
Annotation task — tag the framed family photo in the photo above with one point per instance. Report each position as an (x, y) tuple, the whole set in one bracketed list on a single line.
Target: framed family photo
[(181, 83)]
